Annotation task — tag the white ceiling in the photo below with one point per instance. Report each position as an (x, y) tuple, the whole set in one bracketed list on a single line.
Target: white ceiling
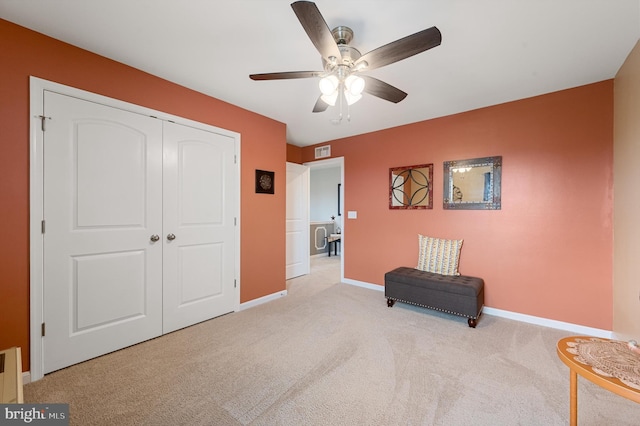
[(492, 51)]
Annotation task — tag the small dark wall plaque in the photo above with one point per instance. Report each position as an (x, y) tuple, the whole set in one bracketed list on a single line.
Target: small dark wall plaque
[(265, 183)]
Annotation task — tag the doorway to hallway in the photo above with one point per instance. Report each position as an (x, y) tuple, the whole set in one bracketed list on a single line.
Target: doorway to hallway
[(327, 211)]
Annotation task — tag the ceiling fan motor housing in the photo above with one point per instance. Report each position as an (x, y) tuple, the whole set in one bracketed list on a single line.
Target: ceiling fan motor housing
[(342, 36)]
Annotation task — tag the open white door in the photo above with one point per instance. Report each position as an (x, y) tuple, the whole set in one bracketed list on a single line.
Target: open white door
[(298, 261)]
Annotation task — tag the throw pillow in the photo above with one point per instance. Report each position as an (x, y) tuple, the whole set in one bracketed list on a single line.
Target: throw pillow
[(439, 256)]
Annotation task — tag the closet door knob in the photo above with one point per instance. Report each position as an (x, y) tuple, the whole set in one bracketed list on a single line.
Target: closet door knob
[(154, 238), (171, 237)]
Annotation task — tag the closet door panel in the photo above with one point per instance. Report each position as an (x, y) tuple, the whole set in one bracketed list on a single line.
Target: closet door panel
[(102, 286), (199, 205)]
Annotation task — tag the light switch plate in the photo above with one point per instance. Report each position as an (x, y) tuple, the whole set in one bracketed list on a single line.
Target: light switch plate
[(352, 215)]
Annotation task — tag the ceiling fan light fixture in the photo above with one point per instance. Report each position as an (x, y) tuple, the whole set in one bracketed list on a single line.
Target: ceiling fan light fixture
[(354, 85), (328, 85)]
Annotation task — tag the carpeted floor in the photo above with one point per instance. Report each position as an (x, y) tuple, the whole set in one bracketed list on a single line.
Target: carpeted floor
[(334, 354)]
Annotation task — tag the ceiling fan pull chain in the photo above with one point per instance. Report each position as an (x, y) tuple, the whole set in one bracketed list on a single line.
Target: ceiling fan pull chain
[(341, 99)]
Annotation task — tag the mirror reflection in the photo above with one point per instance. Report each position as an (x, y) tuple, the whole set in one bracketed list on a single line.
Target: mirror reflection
[(473, 184), (411, 187)]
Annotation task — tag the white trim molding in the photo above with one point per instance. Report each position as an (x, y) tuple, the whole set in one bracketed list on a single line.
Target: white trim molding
[(264, 299), (363, 284), (545, 322)]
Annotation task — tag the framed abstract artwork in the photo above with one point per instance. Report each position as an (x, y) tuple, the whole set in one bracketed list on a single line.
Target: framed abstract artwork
[(411, 187)]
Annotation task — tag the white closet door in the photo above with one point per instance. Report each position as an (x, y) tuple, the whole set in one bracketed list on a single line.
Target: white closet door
[(102, 203), (200, 193)]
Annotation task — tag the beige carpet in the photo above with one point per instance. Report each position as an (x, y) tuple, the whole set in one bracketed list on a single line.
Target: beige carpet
[(334, 354)]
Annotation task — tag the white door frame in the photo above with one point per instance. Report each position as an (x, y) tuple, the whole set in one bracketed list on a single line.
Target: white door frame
[(37, 87), (336, 162)]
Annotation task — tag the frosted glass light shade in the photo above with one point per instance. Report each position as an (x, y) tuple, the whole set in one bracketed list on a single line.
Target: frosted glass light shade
[(354, 84), (328, 84)]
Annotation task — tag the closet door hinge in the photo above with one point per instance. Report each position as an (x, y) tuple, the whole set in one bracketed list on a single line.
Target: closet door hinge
[(235, 159), (42, 226), (235, 221), (43, 118), (42, 330), (235, 283)]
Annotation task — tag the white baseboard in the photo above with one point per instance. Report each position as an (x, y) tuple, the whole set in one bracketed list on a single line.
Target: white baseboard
[(545, 322), (375, 287), (530, 319), (26, 377), (261, 300)]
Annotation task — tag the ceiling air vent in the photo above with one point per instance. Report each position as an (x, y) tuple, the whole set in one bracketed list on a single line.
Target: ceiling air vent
[(323, 151)]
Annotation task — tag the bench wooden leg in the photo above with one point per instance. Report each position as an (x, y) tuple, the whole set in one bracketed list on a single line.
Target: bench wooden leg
[(472, 322), (390, 302)]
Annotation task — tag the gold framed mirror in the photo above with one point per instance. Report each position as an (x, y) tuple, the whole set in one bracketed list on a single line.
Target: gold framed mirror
[(473, 184), (411, 187)]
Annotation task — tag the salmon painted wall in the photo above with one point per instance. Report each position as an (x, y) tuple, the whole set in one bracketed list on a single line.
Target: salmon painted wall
[(294, 154), (263, 144), (548, 251)]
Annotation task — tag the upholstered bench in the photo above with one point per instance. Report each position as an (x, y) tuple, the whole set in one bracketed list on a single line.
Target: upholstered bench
[(455, 294)]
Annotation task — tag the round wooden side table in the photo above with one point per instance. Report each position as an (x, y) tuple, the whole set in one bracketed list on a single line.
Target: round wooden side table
[(607, 363)]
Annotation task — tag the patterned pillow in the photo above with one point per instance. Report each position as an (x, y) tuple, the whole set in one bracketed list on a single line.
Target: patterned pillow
[(439, 256)]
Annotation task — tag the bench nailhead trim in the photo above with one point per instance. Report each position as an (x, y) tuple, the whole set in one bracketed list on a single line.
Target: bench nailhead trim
[(432, 307)]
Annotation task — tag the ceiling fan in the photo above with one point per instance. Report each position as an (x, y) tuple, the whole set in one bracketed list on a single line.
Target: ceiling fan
[(343, 65)]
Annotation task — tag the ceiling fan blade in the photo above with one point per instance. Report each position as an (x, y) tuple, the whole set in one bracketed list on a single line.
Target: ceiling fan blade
[(383, 90), (401, 49), (317, 29), (285, 75), (320, 105)]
